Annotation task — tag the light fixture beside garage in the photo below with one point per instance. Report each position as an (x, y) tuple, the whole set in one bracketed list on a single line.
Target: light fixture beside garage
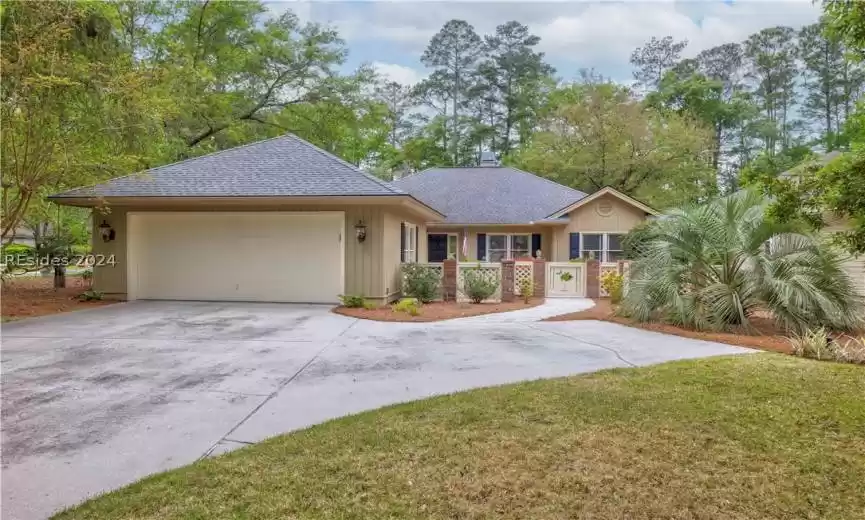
[(106, 231), (360, 231)]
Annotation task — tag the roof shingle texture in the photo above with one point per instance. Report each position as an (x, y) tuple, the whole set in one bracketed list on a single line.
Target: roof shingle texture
[(278, 167), (488, 195)]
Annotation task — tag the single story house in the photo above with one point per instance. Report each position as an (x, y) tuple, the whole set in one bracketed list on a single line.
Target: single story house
[(282, 220)]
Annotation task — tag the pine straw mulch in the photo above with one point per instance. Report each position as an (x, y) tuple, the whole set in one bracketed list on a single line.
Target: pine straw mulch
[(27, 297), (765, 335), (437, 311)]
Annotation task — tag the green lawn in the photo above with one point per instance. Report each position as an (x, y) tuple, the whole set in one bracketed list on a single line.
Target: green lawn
[(758, 436)]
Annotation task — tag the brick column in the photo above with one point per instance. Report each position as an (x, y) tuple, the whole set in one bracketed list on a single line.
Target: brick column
[(449, 280), (507, 280), (539, 278), (593, 278)]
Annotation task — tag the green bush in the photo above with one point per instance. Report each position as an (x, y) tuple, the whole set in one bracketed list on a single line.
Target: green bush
[(352, 301), (421, 282), (17, 254), (476, 286), (818, 344), (87, 296), (613, 283), (527, 290), (714, 266), (410, 306)]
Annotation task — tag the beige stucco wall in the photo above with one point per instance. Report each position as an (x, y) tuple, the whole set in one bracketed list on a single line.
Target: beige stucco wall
[(586, 219), (364, 262)]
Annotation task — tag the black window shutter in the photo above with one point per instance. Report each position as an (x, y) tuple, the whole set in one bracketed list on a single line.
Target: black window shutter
[(482, 246), (402, 241), (536, 244), (575, 246), (416, 245)]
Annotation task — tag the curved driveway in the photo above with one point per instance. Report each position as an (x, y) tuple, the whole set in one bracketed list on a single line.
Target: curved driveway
[(97, 399)]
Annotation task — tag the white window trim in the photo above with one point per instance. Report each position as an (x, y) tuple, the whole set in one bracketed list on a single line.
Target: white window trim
[(409, 253), (509, 251), (605, 243)]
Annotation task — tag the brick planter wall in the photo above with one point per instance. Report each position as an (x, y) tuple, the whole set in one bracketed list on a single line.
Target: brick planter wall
[(507, 280), (593, 279), (539, 278), (449, 280)]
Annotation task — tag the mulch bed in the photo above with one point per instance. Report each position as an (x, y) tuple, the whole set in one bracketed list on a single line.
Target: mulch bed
[(437, 311), (765, 335), (26, 297)]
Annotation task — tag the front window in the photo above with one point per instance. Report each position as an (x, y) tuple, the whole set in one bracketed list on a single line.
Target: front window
[(604, 247), (507, 247), (409, 252), (593, 246)]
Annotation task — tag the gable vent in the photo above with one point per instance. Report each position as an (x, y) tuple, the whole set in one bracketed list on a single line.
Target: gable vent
[(488, 159)]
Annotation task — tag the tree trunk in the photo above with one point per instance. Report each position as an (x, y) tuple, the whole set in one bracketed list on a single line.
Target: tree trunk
[(59, 277)]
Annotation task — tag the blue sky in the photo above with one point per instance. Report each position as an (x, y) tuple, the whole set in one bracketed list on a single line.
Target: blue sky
[(574, 34)]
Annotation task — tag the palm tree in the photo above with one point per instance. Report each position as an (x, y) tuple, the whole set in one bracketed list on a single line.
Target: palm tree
[(714, 266)]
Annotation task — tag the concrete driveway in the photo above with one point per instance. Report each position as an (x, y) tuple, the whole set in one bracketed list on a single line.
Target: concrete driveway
[(97, 399)]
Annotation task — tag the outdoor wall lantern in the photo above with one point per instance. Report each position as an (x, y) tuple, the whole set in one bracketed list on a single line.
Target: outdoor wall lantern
[(360, 231), (106, 231)]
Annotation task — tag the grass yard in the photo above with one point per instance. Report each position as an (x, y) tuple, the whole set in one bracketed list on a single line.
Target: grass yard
[(756, 436)]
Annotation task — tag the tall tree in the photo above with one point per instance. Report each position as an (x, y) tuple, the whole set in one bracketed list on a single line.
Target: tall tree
[(822, 57), (655, 58), (596, 135), (771, 60), (398, 100), (513, 78), (454, 52)]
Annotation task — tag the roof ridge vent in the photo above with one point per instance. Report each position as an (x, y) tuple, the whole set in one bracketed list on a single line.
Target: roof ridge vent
[(488, 160)]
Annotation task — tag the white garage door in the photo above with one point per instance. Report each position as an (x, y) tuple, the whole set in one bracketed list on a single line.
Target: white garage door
[(264, 256)]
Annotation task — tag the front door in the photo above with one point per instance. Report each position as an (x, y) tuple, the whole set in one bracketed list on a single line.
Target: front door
[(437, 248)]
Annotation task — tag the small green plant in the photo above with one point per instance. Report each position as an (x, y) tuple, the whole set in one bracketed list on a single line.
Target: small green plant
[(851, 350), (527, 290), (814, 344), (410, 306), (477, 286), (368, 305), (566, 276), (87, 276), (352, 301), (613, 283), (90, 295), (421, 282)]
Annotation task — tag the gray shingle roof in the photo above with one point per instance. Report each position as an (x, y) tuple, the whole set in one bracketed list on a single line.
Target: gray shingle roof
[(280, 167), (500, 195)]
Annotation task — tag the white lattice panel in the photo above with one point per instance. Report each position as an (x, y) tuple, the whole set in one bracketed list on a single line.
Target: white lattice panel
[(606, 268), (522, 271), (490, 271)]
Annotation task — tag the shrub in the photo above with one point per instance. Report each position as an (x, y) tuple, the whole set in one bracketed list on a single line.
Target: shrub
[(89, 295), (477, 286), (368, 305), (421, 282), (817, 344), (410, 306), (527, 290), (352, 301), (814, 344), (87, 276), (715, 265), (613, 283), (17, 255)]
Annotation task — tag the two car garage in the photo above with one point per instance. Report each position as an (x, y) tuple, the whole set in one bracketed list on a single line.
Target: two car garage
[(236, 256)]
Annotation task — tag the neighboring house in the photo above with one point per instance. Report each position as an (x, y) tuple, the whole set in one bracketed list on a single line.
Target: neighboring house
[(23, 236), (282, 220), (853, 265)]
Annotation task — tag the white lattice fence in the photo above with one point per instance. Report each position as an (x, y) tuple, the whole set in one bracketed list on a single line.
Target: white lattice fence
[(438, 268), (606, 268), (523, 271), (490, 271)]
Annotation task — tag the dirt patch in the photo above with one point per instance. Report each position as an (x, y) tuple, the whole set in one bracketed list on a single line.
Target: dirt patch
[(437, 311), (36, 296), (765, 335)]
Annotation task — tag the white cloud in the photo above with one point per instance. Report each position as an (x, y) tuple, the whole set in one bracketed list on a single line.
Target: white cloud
[(399, 73)]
